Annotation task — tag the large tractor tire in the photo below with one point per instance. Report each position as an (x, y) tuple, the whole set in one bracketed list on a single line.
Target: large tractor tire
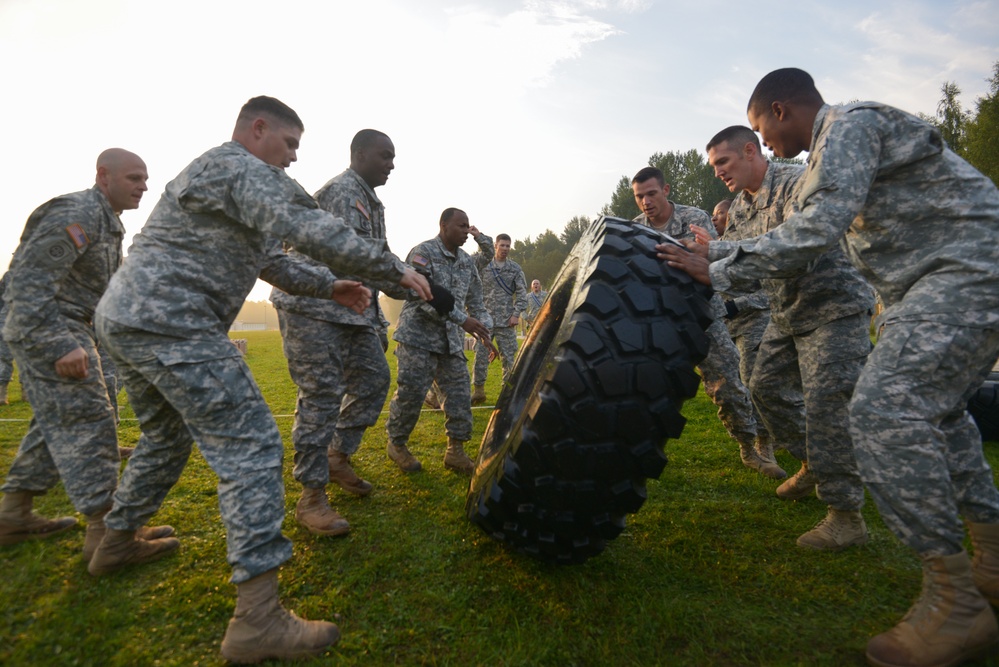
[(593, 396)]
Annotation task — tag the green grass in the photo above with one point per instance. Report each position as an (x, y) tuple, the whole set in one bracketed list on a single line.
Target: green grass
[(707, 573)]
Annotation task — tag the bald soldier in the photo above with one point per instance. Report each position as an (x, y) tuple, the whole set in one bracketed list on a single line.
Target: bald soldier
[(922, 225), (69, 248), (165, 318)]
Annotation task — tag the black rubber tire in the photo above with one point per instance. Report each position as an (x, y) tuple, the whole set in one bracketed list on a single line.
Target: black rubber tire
[(594, 394)]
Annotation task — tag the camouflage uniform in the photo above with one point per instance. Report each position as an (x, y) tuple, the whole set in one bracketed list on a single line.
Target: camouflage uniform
[(747, 316), (335, 355), (110, 373), (165, 317), (6, 358), (500, 282), (431, 348), (534, 303), (922, 226), (68, 250), (720, 369), (815, 345)]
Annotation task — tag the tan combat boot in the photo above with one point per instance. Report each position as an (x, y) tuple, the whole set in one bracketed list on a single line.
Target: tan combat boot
[(985, 564), (406, 461), (754, 461), (838, 530), (120, 548), (262, 629), (801, 485), (96, 530), (456, 459), (951, 622), (3, 394), (344, 475), (478, 394), (764, 446), (18, 523), (314, 512), (430, 400)]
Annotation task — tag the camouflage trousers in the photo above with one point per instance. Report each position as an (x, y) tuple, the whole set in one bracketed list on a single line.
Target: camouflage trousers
[(919, 452), (201, 390), (342, 378), (72, 434), (418, 369), (747, 338), (720, 374), (6, 360), (506, 343), (822, 366), (110, 371)]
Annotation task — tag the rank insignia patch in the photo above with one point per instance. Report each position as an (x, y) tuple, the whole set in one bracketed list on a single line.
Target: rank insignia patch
[(78, 236)]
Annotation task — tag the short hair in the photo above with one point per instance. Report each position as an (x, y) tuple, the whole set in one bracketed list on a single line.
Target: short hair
[(504, 237), (450, 213), (365, 139), (789, 84), (647, 173), (736, 136), (272, 107), (728, 203)]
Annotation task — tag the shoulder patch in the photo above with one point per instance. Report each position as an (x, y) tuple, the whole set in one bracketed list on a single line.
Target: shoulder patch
[(77, 235), (420, 260), (360, 207)]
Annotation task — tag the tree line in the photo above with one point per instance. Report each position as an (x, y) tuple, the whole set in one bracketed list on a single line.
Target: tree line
[(974, 135)]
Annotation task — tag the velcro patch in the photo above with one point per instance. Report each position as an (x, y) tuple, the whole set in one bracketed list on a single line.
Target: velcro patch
[(420, 261), (77, 235), (360, 207), (58, 250)]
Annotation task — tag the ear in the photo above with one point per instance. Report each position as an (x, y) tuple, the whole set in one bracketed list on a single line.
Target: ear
[(779, 110), (748, 150), (102, 176), (666, 190), (259, 127)]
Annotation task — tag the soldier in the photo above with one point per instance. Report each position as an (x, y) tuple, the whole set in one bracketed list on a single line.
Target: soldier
[(164, 319), (813, 348), (719, 216), (535, 299), (68, 250), (505, 294), (337, 356), (922, 226), (747, 315), (720, 369), (6, 358), (431, 343)]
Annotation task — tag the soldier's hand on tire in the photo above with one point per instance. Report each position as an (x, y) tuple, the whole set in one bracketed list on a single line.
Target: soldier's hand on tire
[(686, 260), (414, 281), (73, 364), (352, 294)]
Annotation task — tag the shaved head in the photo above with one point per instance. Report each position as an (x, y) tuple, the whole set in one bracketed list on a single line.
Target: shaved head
[(121, 176), (114, 158)]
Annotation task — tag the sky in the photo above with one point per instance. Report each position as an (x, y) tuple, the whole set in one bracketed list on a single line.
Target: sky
[(524, 113)]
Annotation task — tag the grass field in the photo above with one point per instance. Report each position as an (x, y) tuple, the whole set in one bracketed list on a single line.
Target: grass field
[(707, 573)]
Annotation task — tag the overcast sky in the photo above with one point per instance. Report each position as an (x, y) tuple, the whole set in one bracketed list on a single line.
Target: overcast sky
[(523, 113)]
